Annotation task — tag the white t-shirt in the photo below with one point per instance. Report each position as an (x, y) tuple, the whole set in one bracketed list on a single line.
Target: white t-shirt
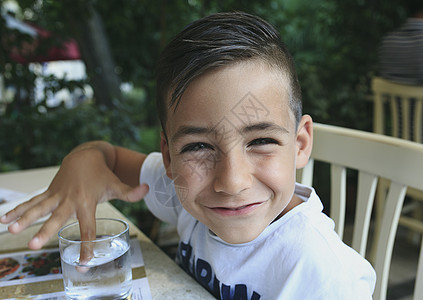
[(299, 256)]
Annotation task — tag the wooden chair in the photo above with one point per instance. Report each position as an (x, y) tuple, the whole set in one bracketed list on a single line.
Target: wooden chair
[(373, 156), (405, 102), (398, 112)]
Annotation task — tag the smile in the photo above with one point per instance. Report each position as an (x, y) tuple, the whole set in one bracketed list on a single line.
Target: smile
[(236, 211)]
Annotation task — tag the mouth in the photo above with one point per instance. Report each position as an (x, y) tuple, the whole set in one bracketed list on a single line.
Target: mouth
[(236, 211)]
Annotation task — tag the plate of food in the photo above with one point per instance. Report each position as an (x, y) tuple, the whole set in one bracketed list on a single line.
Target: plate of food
[(9, 268), (46, 263)]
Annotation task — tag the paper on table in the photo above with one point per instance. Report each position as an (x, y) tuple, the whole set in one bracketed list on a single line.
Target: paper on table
[(37, 274), (11, 199), (7, 195)]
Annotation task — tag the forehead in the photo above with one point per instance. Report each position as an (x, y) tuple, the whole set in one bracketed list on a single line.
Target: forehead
[(244, 88)]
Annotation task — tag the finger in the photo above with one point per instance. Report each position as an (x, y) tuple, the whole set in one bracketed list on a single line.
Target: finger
[(41, 209), (19, 210), (60, 216), (87, 227)]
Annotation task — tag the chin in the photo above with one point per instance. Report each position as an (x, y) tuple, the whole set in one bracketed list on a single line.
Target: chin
[(236, 238)]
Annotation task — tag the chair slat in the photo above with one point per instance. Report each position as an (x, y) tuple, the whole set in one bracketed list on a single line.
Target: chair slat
[(405, 115), (378, 117), (385, 243), (418, 122), (395, 117), (418, 287), (307, 173), (411, 223), (338, 197), (367, 184)]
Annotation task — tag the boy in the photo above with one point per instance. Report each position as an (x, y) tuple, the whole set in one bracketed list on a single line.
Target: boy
[(233, 136)]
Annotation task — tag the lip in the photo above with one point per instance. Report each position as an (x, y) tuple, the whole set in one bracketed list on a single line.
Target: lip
[(236, 211)]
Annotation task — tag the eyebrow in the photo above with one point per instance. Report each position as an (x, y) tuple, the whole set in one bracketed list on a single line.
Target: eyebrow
[(194, 130), (191, 130), (268, 126)]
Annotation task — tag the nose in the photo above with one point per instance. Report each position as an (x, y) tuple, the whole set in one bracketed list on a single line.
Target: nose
[(233, 173)]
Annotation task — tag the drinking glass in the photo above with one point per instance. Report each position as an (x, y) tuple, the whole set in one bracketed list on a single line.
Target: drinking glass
[(106, 272)]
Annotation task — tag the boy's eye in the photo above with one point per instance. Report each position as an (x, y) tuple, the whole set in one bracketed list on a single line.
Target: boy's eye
[(263, 141), (194, 147)]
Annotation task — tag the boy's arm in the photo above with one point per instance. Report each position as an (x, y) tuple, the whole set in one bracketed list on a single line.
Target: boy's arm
[(92, 173), (128, 165)]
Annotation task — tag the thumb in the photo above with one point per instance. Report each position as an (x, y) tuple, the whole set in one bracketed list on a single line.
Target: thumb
[(133, 194)]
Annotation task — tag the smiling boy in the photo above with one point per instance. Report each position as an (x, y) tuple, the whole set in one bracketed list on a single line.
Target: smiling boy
[(241, 193), (233, 136)]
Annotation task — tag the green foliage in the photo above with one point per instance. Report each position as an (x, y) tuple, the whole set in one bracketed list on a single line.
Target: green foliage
[(40, 136), (335, 47)]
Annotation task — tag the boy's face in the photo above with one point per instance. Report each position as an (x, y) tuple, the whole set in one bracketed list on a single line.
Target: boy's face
[(232, 149)]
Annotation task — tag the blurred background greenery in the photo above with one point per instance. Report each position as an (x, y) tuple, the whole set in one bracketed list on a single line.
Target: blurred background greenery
[(334, 43)]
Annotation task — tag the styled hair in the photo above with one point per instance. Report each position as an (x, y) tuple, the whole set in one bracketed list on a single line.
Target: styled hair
[(219, 40)]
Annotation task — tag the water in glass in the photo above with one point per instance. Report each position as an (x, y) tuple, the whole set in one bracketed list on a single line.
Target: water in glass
[(105, 276)]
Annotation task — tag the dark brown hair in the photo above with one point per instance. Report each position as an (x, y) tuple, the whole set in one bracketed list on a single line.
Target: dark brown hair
[(219, 40)]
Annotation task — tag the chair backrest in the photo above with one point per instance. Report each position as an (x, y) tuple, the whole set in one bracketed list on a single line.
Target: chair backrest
[(373, 156), (405, 102)]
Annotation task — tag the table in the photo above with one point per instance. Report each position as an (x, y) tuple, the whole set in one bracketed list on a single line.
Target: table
[(166, 279)]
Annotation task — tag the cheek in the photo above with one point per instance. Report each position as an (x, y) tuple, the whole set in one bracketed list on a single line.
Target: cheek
[(278, 174), (195, 167), (189, 178)]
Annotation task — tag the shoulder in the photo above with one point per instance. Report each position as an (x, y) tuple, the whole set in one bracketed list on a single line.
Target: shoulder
[(308, 234), (161, 198), (323, 263), (309, 248)]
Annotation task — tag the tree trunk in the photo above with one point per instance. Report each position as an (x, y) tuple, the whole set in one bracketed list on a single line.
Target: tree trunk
[(95, 50)]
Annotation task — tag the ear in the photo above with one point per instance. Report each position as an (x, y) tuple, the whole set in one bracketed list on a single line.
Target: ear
[(164, 147), (304, 141)]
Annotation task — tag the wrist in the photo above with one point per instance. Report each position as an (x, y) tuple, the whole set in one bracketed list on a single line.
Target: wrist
[(100, 152)]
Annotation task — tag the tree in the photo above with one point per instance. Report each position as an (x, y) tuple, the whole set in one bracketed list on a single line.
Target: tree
[(97, 55), (79, 19)]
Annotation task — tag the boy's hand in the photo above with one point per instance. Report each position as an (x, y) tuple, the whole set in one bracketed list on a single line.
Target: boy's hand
[(83, 181)]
